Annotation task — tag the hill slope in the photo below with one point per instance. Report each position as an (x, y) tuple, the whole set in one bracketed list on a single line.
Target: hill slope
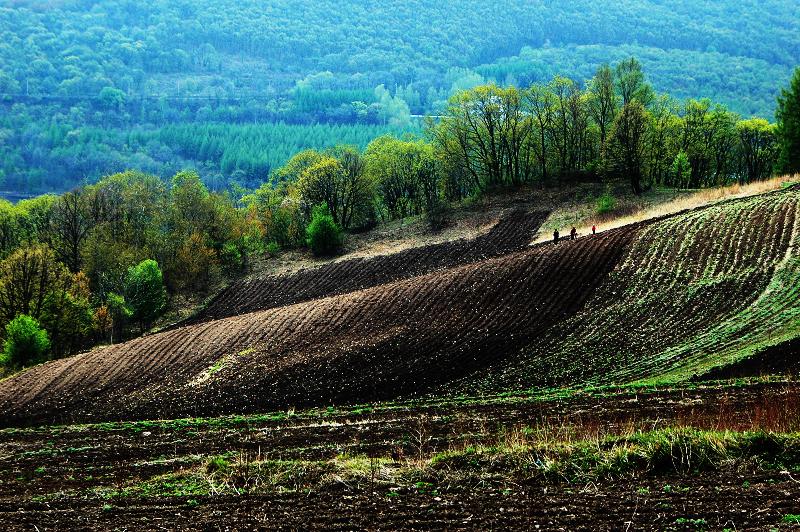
[(663, 299), (234, 88), (513, 232)]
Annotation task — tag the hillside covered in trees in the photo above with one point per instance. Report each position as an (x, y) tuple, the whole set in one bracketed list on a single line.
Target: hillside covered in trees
[(233, 89), (103, 261)]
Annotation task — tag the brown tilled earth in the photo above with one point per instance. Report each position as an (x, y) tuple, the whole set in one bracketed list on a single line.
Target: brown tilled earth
[(492, 311), (390, 339), (486, 314), (66, 478)]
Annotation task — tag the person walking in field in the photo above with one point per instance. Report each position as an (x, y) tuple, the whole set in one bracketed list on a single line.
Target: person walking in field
[(573, 234), (555, 236), (594, 230)]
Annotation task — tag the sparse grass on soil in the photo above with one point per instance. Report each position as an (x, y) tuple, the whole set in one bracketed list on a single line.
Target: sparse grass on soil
[(670, 457)]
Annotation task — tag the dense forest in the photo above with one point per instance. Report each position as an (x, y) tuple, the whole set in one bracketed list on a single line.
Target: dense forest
[(233, 88), (104, 261)]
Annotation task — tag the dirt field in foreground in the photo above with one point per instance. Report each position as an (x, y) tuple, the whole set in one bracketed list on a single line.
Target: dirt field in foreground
[(76, 477)]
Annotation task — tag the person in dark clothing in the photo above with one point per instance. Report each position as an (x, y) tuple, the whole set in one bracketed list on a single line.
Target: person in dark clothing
[(594, 229), (573, 233), (555, 236)]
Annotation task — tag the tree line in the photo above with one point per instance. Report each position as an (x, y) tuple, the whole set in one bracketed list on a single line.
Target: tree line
[(612, 126), (105, 261)]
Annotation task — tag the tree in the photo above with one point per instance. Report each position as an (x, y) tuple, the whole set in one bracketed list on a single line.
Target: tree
[(681, 170), (389, 163), (758, 149), (27, 276), (346, 190), (145, 292), (568, 129), (788, 125), (111, 98), (26, 342), (603, 100), (104, 322), (358, 189), (631, 83), (661, 134), (70, 227), (67, 316), (626, 144), (294, 168), (324, 236), (540, 103), (723, 144), (405, 174), (487, 129), (195, 263), (697, 139), (120, 312), (275, 213)]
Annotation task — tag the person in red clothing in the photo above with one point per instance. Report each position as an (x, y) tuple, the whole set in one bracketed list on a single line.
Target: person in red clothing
[(594, 230)]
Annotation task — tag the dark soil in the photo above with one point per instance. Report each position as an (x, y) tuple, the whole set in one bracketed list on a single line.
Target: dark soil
[(48, 476), (512, 233), (401, 338), (781, 359)]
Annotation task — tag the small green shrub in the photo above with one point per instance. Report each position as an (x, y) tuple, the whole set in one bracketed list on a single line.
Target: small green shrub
[(26, 342), (606, 204), (217, 464), (233, 259), (273, 248), (323, 235)]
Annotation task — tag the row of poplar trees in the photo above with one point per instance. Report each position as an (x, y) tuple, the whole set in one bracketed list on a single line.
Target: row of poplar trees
[(612, 126)]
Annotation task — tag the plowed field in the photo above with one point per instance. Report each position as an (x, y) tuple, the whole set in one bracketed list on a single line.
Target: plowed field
[(512, 233), (154, 475), (665, 299)]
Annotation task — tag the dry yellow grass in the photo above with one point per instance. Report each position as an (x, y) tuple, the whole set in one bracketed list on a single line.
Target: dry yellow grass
[(693, 200)]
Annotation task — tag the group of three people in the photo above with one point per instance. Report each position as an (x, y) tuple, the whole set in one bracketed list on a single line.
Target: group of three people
[(573, 234)]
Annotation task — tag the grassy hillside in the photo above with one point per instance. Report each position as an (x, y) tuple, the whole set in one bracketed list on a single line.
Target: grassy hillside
[(663, 299), (694, 291)]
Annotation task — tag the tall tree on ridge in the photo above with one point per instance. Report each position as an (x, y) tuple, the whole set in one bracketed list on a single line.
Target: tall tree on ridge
[(788, 116)]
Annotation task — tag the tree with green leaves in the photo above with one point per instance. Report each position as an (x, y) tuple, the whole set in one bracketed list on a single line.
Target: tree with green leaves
[(405, 174), (25, 343), (758, 149), (680, 170), (540, 104), (323, 234), (487, 129), (119, 313), (294, 167), (27, 277), (632, 83), (603, 100), (346, 188), (788, 125), (145, 292), (625, 152), (70, 225), (68, 318), (358, 188)]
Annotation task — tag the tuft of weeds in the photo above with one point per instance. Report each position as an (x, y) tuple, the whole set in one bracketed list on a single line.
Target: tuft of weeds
[(217, 464), (682, 451)]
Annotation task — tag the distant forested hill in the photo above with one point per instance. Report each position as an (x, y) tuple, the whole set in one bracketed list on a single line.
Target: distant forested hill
[(88, 87)]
